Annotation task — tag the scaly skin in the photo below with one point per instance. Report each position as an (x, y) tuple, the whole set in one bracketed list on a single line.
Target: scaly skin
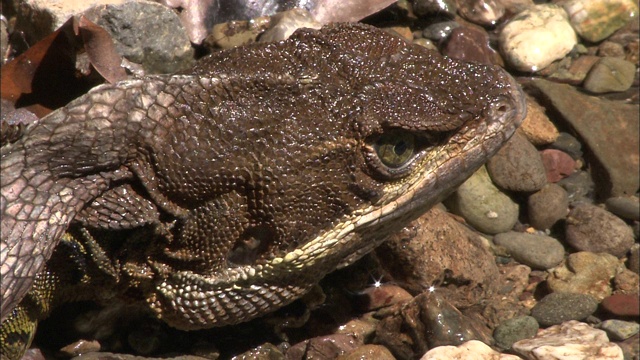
[(225, 193)]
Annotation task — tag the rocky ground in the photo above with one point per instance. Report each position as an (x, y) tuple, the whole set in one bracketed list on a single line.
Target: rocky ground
[(535, 256)]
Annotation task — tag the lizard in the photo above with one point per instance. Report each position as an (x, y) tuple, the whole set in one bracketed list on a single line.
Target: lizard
[(222, 193)]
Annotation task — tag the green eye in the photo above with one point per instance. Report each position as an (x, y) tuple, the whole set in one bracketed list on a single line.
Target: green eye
[(395, 148)]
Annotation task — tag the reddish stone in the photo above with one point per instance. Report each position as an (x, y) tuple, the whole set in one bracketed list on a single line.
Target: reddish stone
[(470, 44), (622, 304), (557, 164)]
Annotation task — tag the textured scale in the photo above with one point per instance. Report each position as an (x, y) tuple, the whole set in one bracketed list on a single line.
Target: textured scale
[(226, 192)]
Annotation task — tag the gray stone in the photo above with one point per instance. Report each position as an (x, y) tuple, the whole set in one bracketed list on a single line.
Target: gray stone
[(536, 251), (634, 258), (627, 207), (146, 33), (483, 205), (557, 308), (579, 187), (619, 330), (439, 31), (515, 329), (547, 206), (517, 166), (591, 228), (610, 75), (569, 144)]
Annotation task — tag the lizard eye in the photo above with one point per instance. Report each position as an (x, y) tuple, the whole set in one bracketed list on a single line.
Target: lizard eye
[(395, 148)]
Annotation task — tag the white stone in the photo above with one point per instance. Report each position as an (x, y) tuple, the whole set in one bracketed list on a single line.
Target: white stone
[(471, 350), (572, 340), (536, 37)]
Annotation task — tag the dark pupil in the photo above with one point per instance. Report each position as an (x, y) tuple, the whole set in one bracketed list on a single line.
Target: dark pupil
[(400, 148)]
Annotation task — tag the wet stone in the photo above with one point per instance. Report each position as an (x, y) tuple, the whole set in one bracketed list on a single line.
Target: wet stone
[(517, 166), (609, 130), (568, 144), (579, 186), (622, 305), (591, 228), (611, 49), (439, 31), (619, 330), (537, 127), (610, 75), (426, 8), (470, 45), (557, 164), (483, 205), (536, 37), (557, 308), (585, 273), (368, 351), (536, 251), (547, 206), (578, 339), (595, 20), (481, 12), (471, 350), (627, 207), (515, 329)]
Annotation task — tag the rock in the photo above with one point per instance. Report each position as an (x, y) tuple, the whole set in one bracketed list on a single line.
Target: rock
[(323, 347), (559, 307), (591, 228), (377, 297), (481, 12), (537, 127), (579, 187), (634, 258), (146, 33), (557, 164), (39, 18), (576, 71), (446, 325), (435, 246), (547, 206), (429, 320), (236, 33), (4, 41), (627, 282), (362, 329), (631, 347), (471, 45), (608, 128), (428, 8), (516, 6), (622, 305), (439, 31), (471, 350), (610, 74), (536, 37), (517, 166), (80, 347), (368, 351), (482, 205), (283, 24), (571, 340), (568, 144), (627, 207), (595, 20), (619, 330), (536, 251), (426, 43), (585, 273), (265, 351), (611, 49), (515, 329)]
